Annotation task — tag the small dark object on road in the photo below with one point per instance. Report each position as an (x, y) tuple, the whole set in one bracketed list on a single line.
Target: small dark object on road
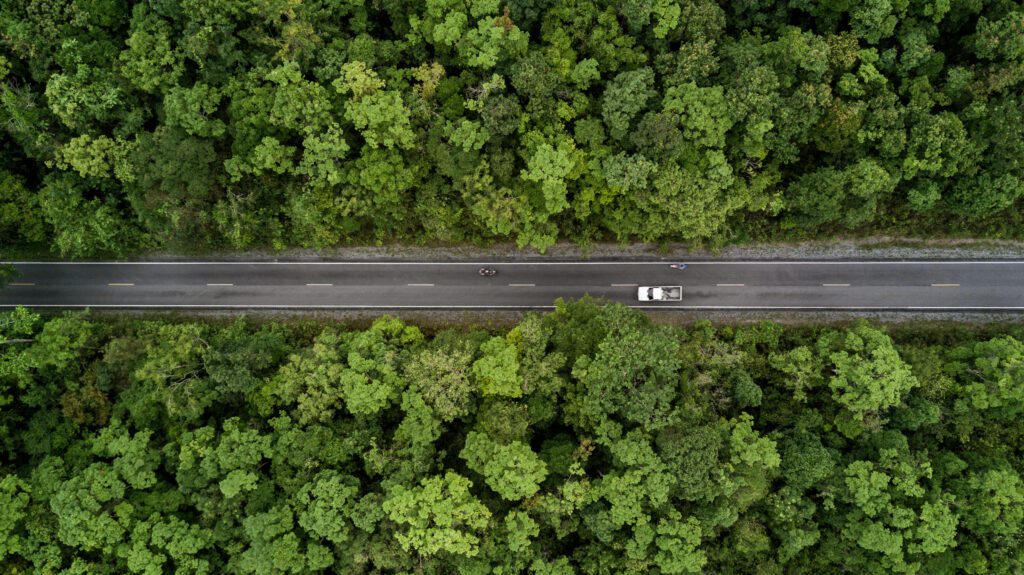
[(488, 271)]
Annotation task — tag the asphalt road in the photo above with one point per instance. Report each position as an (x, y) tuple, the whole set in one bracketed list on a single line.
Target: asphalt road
[(730, 285)]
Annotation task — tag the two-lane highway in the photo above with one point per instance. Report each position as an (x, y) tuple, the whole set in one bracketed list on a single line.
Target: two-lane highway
[(732, 285)]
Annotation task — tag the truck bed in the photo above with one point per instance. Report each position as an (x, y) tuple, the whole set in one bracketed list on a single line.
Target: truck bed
[(668, 293)]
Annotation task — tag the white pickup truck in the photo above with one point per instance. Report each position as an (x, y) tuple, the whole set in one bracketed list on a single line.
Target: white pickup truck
[(659, 293)]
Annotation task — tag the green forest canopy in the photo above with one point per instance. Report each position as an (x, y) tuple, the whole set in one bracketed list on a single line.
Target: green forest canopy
[(190, 124), (583, 441)]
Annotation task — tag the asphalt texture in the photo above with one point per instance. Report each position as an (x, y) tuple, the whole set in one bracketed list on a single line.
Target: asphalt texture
[(712, 285)]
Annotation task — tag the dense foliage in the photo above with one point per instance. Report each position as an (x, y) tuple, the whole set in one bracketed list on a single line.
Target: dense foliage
[(582, 441), (198, 123)]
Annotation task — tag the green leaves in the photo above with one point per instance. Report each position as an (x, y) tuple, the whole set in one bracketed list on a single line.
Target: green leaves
[(380, 116), (150, 62), (869, 375), (677, 543), (626, 95), (438, 515), (90, 509), (513, 470), (223, 124), (552, 166), (442, 378), (299, 448), (14, 499), (358, 79), (100, 157), (275, 548), (167, 542), (497, 370), (848, 197), (327, 504), (194, 108), (20, 216), (703, 113), (938, 146), (995, 501), (990, 377)]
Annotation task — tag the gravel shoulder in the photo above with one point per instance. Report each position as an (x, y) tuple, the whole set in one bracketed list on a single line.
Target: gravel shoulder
[(504, 319)]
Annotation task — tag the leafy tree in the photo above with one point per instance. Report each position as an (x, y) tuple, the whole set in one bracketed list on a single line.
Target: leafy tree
[(870, 377), (21, 218), (513, 470), (99, 157), (151, 63), (167, 541), (15, 496), (703, 113), (194, 109), (274, 546), (91, 511), (497, 371), (327, 504), (438, 515), (379, 115), (443, 379), (849, 197), (626, 95), (102, 230)]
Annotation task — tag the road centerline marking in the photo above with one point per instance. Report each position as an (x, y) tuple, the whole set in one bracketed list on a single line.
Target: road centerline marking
[(421, 285), (218, 285), (120, 284), (522, 285), (835, 285), (945, 285), (730, 285), (625, 285), (21, 284), (319, 285)]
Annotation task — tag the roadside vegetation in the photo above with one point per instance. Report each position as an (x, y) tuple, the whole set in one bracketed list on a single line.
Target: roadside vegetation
[(586, 440), (202, 124)]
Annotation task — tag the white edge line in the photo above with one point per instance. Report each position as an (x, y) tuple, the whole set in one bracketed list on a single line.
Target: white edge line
[(522, 285), (730, 285), (945, 285), (216, 285), (116, 284), (319, 285), (676, 307), (421, 285), (625, 285), (835, 285), (540, 263)]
